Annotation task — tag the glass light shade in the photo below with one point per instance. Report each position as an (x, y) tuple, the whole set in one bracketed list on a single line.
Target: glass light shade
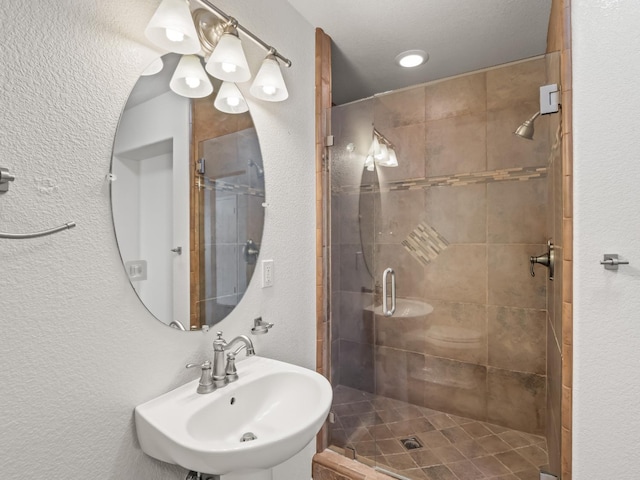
[(269, 84), (369, 164), (172, 28), (190, 80), (383, 154), (374, 149), (230, 100), (391, 161), (227, 62)]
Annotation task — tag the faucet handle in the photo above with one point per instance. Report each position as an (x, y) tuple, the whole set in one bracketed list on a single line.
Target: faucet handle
[(205, 385), (230, 370), (204, 366)]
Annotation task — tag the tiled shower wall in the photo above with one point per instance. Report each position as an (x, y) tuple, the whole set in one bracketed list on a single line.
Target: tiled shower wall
[(467, 181)]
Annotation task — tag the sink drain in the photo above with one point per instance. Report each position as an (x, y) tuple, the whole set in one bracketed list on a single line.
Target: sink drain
[(411, 443), (247, 437)]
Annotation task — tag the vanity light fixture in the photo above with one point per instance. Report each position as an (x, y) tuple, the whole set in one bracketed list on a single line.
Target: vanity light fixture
[(230, 99), (228, 62), (269, 84), (172, 28), (190, 80), (211, 33), (412, 58)]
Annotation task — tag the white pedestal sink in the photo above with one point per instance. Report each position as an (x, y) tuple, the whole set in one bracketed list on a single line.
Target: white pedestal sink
[(240, 431)]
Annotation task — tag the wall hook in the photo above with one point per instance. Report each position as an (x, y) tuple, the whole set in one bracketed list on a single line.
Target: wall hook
[(611, 261)]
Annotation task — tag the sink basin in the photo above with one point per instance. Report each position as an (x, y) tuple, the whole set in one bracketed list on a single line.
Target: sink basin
[(255, 423)]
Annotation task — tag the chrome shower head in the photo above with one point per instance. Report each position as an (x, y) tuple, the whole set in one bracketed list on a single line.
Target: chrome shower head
[(526, 129)]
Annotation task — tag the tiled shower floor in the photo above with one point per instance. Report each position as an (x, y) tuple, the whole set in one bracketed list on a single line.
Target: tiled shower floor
[(453, 448)]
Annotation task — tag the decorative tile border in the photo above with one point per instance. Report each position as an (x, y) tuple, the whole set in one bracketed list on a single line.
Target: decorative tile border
[(457, 180), (424, 243), (221, 186)]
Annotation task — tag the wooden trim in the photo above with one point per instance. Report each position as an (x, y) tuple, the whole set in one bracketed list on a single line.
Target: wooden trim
[(322, 104)]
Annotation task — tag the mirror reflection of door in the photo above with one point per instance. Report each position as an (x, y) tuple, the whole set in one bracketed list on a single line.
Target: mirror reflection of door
[(150, 201)]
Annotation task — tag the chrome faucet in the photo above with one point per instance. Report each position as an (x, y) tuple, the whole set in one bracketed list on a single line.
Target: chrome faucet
[(217, 375), (223, 374)]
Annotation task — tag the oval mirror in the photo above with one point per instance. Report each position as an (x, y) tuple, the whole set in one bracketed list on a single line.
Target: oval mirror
[(187, 194)]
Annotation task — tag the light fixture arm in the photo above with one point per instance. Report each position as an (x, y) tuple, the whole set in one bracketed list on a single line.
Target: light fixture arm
[(248, 33)]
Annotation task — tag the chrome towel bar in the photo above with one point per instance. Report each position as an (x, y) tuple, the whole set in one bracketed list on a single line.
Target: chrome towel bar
[(44, 233)]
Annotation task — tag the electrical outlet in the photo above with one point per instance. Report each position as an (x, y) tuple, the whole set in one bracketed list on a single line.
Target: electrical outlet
[(267, 273)]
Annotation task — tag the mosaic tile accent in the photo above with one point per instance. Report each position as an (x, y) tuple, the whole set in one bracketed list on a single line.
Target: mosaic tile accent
[(221, 186), (424, 243), (458, 180)]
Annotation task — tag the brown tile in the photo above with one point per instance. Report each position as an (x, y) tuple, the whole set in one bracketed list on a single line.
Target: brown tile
[(496, 428), (404, 333), (567, 229), (466, 469), (506, 150), (510, 283), (457, 331), (471, 449), (567, 280), (400, 461), (413, 474), (514, 461), (458, 214), (476, 430), (390, 416), (493, 444), (410, 411), (454, 97), (390, 446), (458, 274), (456, 145), (456, 435), (425, 458), (567, 454), (456, 387), (517, 211), (439, 472), (534, 454), (407, 268), (409, 142), (529, 474), (404, 107), (460, 420), (367, 448), (516, 399), (410, 427), (567, 194), (442, 421), (398, 375), (448, 454), (515, 83), (380, 432), (567, 155), (357, 365), (433, 439), (567, 407), (490, 466), (355, 322), (517, 339), (404, 210), (567, 365), (515, 439)]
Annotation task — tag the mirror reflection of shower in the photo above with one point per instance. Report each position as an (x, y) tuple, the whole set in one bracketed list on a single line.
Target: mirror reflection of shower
[(259, 169)]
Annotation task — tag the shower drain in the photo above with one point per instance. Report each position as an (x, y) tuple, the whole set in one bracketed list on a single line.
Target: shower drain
[(411, 443)]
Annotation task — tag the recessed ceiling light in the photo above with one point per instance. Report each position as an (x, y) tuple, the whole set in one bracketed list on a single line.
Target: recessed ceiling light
[(412, 58)]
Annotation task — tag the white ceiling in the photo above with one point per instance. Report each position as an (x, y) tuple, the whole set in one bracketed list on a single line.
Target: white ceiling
[(459, 35)]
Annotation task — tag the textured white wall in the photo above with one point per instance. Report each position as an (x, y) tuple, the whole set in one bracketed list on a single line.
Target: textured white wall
[(606, 68), (78, 350)]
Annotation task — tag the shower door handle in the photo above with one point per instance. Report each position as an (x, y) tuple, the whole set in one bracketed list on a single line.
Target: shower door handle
[(387, 312)]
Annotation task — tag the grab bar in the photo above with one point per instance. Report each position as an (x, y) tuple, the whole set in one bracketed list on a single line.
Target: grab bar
[(386, 311), (44, 233)]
